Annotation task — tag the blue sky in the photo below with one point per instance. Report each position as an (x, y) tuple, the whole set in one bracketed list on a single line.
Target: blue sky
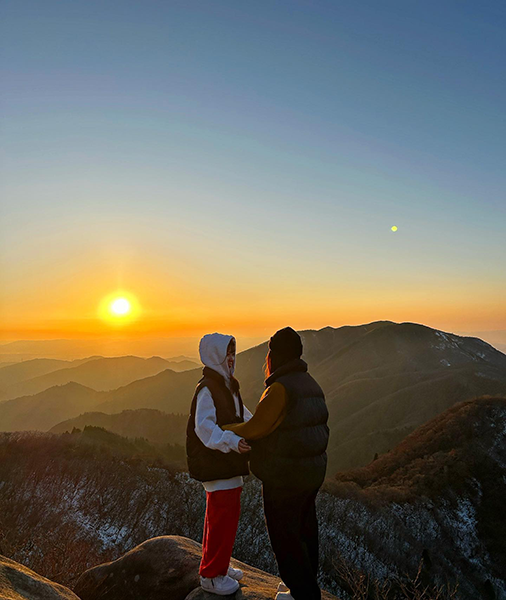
[(277, 141)]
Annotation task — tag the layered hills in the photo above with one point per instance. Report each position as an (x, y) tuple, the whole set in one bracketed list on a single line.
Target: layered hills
[(99, 373), (153, 425), (382, 380), (43, 410)]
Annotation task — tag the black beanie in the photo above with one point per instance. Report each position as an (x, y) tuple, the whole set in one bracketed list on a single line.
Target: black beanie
[(286, 344)]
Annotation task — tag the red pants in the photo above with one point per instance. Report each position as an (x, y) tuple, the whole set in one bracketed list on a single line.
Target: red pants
[(220, 527)]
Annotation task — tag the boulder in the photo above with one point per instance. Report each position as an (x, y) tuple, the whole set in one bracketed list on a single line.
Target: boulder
[(18, 582), (161, 568), (166, 568)]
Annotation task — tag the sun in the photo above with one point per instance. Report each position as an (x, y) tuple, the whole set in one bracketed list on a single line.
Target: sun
[(119, 308)]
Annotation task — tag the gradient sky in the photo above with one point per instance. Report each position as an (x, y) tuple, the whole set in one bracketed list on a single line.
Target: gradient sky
[(239, 165)]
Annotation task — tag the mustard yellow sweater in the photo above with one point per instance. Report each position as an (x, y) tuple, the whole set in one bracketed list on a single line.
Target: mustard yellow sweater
[(268, 414)]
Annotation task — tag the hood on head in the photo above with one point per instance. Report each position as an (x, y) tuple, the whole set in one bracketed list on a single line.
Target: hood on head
[(213, 353)]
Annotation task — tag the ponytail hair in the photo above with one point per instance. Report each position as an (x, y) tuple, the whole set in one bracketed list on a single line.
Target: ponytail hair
[(268, 365)]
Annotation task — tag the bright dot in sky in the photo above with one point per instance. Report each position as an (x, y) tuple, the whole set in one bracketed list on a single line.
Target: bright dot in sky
[(120, 306), (394, 227)]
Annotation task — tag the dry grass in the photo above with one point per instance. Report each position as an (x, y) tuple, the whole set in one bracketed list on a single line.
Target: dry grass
[(361, 586)]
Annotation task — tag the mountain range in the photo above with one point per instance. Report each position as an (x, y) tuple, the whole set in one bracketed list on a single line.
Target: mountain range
[(384, 379), (154, 425), (381, 380), (97, 372)]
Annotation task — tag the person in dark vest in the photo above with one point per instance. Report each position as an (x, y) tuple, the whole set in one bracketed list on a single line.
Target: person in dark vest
[(219, 459), (289, 435)]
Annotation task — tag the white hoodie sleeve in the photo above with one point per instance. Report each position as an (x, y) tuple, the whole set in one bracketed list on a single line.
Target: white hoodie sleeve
[(247, 414), (206, 428)]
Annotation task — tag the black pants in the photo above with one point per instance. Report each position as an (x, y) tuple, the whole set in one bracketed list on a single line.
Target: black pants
[(293, 530)]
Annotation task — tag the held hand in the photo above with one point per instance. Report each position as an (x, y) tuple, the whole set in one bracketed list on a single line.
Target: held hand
[(243, 446)]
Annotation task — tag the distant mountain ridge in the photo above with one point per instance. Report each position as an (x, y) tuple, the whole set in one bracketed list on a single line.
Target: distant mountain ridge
[(381, 380), (13, 373), (154, 425), (384, 379), (75, 348), (97, 372), (40, 411)]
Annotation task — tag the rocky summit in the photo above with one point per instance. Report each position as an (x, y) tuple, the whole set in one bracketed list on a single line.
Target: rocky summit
[(18, 582), (166, 567)]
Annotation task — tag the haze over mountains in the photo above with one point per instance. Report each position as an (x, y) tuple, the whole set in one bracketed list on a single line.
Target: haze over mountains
[(172, 348), (97, 372), (495, 337), (381, 379)]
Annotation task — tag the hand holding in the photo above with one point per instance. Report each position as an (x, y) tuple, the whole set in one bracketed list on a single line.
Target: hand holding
[(243, 446)]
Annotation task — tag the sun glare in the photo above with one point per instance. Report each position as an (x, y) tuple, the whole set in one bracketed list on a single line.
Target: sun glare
[(119, 308)]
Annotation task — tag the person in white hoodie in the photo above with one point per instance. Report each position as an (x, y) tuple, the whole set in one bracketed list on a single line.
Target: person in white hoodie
[(219, 459)]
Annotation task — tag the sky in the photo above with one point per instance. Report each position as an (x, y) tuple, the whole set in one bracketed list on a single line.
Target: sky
[(238, 166)]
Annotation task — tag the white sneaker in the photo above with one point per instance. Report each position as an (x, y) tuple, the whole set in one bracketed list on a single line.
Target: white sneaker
[(284, 596), (236, 574), (223, 585), (282, 587)]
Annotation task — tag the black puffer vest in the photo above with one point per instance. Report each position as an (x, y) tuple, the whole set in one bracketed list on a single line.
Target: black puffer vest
[(294, 455), (205, 464)]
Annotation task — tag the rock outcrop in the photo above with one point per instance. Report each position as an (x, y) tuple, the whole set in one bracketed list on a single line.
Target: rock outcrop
[(18, 582), (163, 568)]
